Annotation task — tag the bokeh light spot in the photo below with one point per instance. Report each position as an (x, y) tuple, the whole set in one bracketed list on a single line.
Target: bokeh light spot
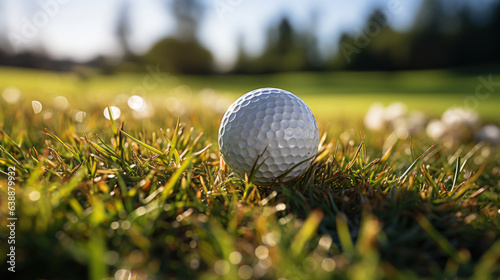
[(34, 196), (235, 257), (221, 267), (37, 106), (61, 103), (245, 272), (137, 103), (115, 111), (11, 95), (122, 274), (80, 116), (328, 264), (261, 252)]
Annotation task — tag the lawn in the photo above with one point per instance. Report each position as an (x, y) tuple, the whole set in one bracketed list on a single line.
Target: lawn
[(330, 95), (148, 197)]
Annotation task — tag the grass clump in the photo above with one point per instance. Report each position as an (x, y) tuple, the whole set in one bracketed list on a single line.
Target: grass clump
[(152, 199)]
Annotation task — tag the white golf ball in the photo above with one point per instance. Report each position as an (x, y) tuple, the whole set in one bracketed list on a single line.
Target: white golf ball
[(271, 128)]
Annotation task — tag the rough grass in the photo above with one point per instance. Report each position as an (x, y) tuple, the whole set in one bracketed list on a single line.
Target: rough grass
[(151, 199)]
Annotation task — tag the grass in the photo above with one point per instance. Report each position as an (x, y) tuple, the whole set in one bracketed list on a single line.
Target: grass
[(150, 199), (336, 95)]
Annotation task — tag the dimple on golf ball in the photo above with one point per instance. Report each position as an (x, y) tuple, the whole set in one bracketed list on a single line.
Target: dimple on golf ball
[(270, 128)]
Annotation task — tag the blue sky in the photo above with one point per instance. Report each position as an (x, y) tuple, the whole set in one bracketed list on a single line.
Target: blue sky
[(80, 29)]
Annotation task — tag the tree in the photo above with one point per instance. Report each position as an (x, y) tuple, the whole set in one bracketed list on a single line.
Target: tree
[(183, 53), (286, 50), (123, 28)]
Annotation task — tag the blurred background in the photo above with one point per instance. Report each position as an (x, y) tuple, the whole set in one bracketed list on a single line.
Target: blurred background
[(241, 36), (392, 66)]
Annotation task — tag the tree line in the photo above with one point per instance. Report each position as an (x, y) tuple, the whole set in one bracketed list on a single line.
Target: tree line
[(436, 40)]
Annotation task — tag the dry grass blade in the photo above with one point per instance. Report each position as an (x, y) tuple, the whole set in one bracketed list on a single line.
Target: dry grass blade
[(385, 157), (202, 150), (360, 147)]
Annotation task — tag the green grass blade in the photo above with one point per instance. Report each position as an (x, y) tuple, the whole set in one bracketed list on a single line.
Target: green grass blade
[(12, 142), (440, 240), (344, 235), (488, 263), (306, 232), (169, 186), (113, 121), (360, 147), (148, 147), (173, 151), (9, 156), (414, 164), (70, 149), (96, 254), (12, 159)]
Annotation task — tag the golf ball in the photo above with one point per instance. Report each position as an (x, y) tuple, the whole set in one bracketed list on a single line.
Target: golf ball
[(272, 129)]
